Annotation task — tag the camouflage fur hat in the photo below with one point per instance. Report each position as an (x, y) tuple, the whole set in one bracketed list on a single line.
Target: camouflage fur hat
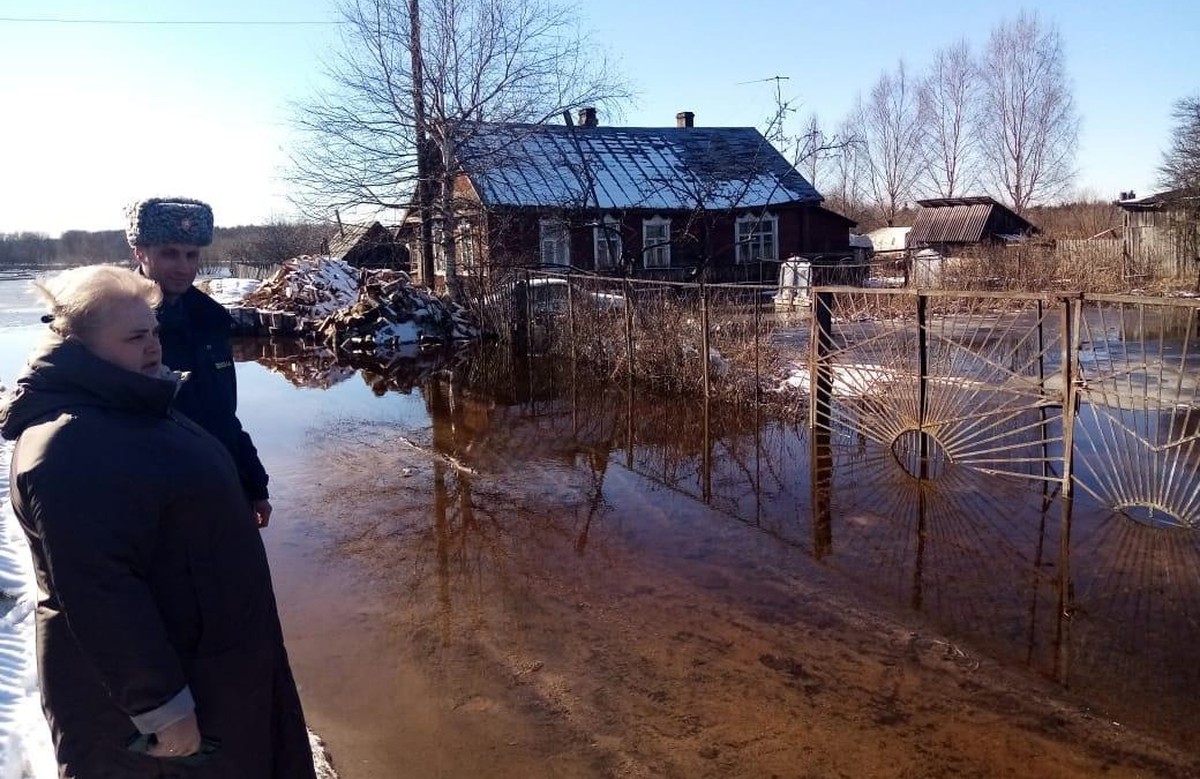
[(160, 220)]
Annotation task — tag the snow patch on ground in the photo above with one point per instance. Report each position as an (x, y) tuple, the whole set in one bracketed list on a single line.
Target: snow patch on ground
[(853, 380), (25, 748), (230, 291)]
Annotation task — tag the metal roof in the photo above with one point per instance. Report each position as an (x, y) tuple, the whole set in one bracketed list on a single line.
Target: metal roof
[(667, 168), (960, 220), (342, 242), (1160, 200)]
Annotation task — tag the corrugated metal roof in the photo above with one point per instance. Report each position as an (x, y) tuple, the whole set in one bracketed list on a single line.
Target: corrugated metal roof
[(668, 168), (956, 220)]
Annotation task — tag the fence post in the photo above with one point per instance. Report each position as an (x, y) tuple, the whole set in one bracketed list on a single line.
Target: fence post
[(923, 376), (627, 288), (757, 335), (704, 346), (1071, 311), (528, 314), (819, 382), (571, 316)]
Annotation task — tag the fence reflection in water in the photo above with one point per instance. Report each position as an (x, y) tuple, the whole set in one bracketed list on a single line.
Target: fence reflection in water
[(939, 475)]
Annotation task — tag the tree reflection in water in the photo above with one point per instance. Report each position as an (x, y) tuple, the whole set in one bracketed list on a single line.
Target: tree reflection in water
[(531, 458)]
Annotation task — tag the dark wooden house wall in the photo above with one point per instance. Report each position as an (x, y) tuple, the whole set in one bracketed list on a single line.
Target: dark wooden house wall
[(1003, 222), (513, 240)]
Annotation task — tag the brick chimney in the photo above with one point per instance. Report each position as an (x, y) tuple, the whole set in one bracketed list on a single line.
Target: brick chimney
[(587, 116), (685, 119)]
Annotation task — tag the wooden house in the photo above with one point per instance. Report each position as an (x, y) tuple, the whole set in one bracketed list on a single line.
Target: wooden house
[(673, 203)]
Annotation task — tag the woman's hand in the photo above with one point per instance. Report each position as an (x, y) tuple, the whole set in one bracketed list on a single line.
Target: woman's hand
[(178, 739), (260, 511)]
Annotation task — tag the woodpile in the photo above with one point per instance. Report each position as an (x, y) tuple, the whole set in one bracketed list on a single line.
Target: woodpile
[(307, 289), (390, 311), (352, 309)]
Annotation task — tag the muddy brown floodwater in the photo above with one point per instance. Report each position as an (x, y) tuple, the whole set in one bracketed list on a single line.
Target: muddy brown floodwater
[(507, 580)]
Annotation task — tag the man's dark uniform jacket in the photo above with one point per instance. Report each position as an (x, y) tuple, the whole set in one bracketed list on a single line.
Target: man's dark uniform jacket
[(195, 332)]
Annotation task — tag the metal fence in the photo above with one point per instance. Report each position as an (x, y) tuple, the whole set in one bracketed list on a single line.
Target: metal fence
[(1088, 391)]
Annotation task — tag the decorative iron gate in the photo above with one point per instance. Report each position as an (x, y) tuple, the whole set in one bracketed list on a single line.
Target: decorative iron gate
[(1093, 391)]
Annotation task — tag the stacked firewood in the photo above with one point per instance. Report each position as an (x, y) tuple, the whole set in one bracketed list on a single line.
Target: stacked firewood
[(391, 311), (308, 288), (355, 309)]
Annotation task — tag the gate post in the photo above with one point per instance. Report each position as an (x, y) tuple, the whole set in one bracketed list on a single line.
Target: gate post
[(821, 344), (1072, 308), (922, 375)]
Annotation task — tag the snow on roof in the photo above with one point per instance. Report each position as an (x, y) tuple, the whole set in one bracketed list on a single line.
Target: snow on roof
[(861, 241), (667, 168)]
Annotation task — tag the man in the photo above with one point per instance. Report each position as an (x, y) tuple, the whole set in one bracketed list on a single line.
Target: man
[(166, 235)]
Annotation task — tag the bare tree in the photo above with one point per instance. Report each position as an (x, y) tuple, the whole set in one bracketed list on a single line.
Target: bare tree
[(1027, 125), (847, 176), (890, 126), (1180, 167), (949, 96), (467, 63)]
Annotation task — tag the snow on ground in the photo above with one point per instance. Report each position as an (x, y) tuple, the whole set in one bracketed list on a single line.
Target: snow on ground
[(25, 748), (26, 751), (230, 291), (848, 380)]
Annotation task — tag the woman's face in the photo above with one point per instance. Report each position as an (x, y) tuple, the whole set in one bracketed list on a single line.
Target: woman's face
[(127, 336)]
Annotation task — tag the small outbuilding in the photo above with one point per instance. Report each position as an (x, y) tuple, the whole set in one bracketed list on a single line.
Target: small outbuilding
[(949, 224), (369, 245), (1161, 233)]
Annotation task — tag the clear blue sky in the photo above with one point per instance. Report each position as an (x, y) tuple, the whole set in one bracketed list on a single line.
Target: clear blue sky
[(96, 115)]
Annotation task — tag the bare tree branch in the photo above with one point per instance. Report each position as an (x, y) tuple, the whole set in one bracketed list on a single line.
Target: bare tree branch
[(479, 61)]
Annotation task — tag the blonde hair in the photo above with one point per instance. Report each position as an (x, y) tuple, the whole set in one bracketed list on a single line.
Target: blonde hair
[(80, 298)]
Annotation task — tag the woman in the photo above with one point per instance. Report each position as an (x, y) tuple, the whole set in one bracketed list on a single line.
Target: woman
[(159, 644)]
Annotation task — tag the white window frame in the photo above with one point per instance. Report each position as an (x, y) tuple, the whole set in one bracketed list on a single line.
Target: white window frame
[(553, 232), (439, 251), (749, 233), (604, 236), (466, 249), (659, 255)]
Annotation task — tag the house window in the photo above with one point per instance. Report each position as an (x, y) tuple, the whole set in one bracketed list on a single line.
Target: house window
[(607, 239), (656, 242), (465, 252), (555, 243), (439, 251), (757, 238)]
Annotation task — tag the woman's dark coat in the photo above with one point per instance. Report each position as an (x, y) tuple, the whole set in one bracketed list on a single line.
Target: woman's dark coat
[(151, 573)]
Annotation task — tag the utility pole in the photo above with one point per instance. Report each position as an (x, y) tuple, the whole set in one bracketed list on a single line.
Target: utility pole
[(423, 172)]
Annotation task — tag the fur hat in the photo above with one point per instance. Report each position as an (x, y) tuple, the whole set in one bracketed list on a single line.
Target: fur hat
[(161, 220)]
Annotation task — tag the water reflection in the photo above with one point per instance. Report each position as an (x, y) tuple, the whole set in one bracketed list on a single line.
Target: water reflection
[(531, 456)]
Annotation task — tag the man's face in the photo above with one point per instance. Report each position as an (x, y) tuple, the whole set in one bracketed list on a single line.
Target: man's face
[(173, 266)]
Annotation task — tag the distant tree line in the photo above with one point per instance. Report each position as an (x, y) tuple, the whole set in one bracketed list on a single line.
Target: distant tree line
[(253, 244)]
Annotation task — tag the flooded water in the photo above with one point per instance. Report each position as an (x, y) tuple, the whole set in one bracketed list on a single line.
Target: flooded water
[(501, 567)]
